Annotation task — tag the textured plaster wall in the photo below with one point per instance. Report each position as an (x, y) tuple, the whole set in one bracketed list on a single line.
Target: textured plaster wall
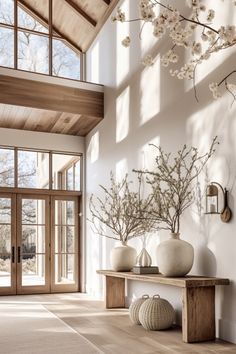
[(146, 105)]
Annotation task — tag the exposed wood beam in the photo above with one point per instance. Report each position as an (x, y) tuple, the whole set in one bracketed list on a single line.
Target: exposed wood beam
[(107, 2), (81, 12), (112, 4), (44, 20), (41, 95)]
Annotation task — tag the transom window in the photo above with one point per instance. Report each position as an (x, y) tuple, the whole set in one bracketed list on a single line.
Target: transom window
[(29, 41), (23, 168)]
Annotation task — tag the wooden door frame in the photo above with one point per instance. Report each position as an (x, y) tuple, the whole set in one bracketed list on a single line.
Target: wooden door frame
[(61, 288), (11, 290), (35, 289), (16, 195)]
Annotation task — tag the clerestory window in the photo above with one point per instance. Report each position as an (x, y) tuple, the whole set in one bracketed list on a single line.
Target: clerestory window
[(30, 42)]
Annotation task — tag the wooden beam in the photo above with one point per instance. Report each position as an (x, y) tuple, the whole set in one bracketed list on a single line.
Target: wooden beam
[(41, 95), (107, 2), (112, 4), (81, 12), (44, 20)]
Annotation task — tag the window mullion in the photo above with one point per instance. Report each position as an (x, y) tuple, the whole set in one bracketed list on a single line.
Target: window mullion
[(15, 34), (50, 37)]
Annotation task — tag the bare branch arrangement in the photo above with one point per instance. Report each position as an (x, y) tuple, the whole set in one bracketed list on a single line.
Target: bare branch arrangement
[(120, 211), (171, 185), (194, 32)]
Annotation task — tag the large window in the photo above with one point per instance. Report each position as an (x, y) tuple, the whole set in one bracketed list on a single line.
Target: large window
[(29, 41), (23, 168)]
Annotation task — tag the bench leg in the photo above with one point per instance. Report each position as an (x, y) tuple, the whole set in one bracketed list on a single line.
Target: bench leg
[(198, 316), (115, 292)]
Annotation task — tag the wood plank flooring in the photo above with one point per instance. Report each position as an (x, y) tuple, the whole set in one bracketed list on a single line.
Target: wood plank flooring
[(111, 332)]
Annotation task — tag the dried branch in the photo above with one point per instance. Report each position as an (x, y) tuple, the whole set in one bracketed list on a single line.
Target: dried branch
[(171, 185), (120, 210)]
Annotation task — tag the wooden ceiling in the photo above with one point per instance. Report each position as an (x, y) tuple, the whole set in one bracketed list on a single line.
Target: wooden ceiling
[(77, 21), (29, 104), (41, 120), (48, 105)]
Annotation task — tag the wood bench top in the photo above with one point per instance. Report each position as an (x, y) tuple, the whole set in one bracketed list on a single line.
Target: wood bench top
[(189, 281)]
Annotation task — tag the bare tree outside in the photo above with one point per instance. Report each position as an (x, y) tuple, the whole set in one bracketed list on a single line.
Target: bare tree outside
[(33, 49)]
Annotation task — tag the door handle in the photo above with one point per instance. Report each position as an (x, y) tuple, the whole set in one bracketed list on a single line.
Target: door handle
[(18, 254), (13, 254)]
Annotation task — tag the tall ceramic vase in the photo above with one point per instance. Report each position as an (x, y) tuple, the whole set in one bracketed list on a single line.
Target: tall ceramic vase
[(123, 257), (175, 257)]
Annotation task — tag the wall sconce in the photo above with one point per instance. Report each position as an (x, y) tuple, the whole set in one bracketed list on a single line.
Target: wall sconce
[(212, 201)]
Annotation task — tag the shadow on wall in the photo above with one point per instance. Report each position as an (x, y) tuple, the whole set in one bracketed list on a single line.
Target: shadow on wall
[(150, 106)]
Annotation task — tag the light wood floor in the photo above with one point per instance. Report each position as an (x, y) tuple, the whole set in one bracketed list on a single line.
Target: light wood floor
[(110, 331)]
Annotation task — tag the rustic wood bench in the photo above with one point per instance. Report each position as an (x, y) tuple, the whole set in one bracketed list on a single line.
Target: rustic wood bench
[(198, 299)]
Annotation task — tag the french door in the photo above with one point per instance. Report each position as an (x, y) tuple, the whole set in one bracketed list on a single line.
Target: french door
[(38, 244)]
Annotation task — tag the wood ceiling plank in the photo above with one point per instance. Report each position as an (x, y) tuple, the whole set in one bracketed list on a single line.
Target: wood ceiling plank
[(44, 19), (81, 12), (35, 94), (112, 4), (84, 125)]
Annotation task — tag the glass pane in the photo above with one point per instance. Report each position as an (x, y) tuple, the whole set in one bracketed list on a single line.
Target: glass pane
[(64, 269), (33, 52), (70, 179), (5, 270), (60, 166), (6, 167), (77, 176), (64, 239), (27, 21), (33, 170), (6, 47), (33, 239), (66, 62), (5, 239), (64, 212), (7, 11), (33, 270), (5, 210), (33, 211)]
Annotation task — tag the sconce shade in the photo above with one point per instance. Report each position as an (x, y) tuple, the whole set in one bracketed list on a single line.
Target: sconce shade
[(211, 191)]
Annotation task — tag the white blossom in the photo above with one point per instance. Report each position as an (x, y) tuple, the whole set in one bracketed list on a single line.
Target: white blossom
[(148, 60), (231, 87), (196, 48), (169, 57), (228, 34), (146, 11), (214, 88), (186, 72), (120, 16), (210, 15), (126, 42)]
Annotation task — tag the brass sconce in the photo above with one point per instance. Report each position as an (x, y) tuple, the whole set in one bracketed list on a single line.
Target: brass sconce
[(212, 201)]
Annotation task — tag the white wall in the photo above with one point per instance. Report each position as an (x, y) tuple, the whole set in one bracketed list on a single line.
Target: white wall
[(38, 140), (144, 105)]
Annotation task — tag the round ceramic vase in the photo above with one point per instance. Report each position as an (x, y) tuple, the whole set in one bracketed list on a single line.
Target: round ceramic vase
[(175, 257), (123, 258)]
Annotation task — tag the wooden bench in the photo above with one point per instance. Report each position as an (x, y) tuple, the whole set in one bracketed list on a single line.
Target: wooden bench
[(198, 299)]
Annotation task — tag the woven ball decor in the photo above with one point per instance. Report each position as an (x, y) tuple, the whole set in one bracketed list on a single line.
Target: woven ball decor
[(135, 307), (156, 314)]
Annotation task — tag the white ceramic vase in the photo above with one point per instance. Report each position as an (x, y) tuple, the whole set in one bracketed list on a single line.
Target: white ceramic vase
[(175, 257), (144, 259), (123, 257)]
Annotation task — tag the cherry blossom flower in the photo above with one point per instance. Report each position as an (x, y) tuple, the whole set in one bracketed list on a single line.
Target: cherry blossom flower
[(126, 41), (148, 60), (214, 88)]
